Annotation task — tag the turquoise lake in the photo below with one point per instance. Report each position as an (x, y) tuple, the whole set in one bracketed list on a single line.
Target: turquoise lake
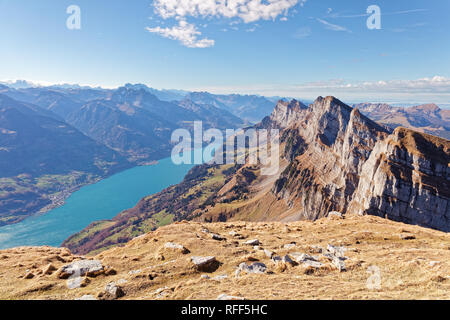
[(103, 200)]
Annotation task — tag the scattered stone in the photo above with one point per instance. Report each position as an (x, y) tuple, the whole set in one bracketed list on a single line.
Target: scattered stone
[(276, 259), (306, 260), (268, 253), (253, 242), (217, 237), (335, 215), (110, 271), (286, 259), (236, 235), (29, 275), (339, 264), (256, 267), (205, 264), (205, 230), (407, 237), (289, 245), (313, 264), (205, 276), (48, 270), (133, 272), (162, 292), (336, 251), (121, 281), (176, 247), (86, 297), (302, 257), (257, 248), (228, 297), (316, 249), (77, 282), (220, 277), (90, 268), (113, 291)]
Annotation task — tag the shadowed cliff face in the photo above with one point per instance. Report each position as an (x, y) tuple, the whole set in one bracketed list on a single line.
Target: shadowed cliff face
[(333, 159)]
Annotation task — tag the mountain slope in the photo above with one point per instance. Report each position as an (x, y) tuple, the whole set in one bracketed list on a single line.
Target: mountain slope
[(41, 156), (139, 125), (247, 107), (383, 260)]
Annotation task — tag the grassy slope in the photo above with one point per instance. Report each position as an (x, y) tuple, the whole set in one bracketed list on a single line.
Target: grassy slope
[(417, 268)]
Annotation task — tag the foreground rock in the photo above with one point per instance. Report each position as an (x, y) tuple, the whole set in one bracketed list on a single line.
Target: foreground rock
[(228, 297), (90, 268), (256, 268), (205, 264), (176, 247)]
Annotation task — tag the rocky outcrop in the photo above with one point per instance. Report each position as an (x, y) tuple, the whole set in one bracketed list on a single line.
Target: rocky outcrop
[(332, 143), (288, 113), (407, 178)]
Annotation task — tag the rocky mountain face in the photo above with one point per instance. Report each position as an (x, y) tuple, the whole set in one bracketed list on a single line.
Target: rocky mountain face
[(324, 173), (427, 118), (406, 178), (333, 159)]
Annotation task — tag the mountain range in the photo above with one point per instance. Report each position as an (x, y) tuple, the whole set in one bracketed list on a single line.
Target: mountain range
[(333, 159), (42, 156), (427, 118), (56, 139)]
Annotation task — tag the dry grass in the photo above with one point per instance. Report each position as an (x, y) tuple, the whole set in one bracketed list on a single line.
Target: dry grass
[(408, 267)]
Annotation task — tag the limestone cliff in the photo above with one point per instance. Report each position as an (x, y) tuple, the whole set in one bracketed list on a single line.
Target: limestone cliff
[(336, 141), (407, 178)]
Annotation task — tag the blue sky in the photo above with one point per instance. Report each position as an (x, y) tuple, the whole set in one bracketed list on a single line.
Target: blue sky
[(291, 48)]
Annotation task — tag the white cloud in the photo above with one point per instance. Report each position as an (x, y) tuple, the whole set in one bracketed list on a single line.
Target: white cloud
[(246, 11), (425, 90), (184, 32), (333, 27), (302, 33)]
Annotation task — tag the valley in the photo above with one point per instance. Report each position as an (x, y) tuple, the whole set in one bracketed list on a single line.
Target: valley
[(69, 137)]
